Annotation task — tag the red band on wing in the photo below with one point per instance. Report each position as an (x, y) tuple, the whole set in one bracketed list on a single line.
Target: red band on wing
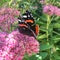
[(22, 25), (29, 21), (37, 29)]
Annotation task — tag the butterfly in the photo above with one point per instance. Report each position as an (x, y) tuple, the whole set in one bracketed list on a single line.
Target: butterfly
[(26, 24)]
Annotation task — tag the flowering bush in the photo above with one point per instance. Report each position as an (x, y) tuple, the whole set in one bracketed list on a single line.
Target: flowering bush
[(14, 45), (17, 46)]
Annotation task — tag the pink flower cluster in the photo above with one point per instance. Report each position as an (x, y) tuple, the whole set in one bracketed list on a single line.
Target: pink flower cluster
[(13, 46), (51, 10), (7, 17)]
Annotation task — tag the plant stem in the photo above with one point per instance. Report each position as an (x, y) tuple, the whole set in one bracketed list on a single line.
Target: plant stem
[(48, 22)]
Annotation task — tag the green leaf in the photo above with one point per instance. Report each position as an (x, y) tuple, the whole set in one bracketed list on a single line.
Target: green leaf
[(45, 47), (41, 36), (33, 57), (56, 38), (56, 56), (57, 25), (43, 54)]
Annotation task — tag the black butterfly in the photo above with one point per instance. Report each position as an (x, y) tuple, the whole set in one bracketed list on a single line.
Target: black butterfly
[(26, 24)]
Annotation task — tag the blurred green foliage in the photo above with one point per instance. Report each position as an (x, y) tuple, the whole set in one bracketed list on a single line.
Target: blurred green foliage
[(3, 2), (49, 35)]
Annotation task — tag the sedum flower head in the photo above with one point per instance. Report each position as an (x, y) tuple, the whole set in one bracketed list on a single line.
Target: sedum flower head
[(3, 36), (51, 10), (16, 45), (7, 17), (57, 11)]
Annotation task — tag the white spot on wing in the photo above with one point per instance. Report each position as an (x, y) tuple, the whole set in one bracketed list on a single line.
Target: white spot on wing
[(24, 16), (19, 20), (28, 15)]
